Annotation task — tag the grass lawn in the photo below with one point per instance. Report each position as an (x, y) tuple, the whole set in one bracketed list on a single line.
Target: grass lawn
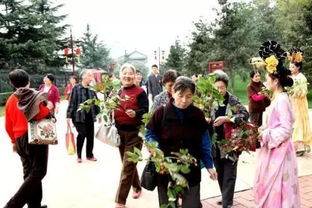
[(240, 90), (1, 111)]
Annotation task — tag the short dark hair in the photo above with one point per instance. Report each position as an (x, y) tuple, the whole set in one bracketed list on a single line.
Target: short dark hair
[(253, 72), (170, 76), (183, 83), (154, 65), (50, 77), (19, 78), (138, 71), (298, 64), (74, 77), (221, 76)]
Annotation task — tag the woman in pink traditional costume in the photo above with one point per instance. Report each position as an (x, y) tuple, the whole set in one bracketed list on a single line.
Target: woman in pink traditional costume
[(276, 181)]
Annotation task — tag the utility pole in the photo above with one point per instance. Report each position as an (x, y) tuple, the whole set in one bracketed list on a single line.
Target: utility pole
[(72, 49)]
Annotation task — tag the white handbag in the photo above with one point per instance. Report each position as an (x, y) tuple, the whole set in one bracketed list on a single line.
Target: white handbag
[(42, 132), (108, 133)]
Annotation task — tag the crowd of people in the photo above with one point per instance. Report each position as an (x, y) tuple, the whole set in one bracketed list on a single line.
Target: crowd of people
[(176, 123)]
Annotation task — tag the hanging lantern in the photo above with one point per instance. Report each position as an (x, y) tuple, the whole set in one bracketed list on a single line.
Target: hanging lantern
[(66, 50), (66, 54), (78, 52)]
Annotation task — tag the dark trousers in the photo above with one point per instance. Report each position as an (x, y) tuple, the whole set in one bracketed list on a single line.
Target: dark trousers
[(35, 160), (85, 130), (190, 197), (226, 170), (129, 174), (256, 118)]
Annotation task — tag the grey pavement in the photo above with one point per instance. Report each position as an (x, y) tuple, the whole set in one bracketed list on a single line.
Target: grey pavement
[(94, 184)]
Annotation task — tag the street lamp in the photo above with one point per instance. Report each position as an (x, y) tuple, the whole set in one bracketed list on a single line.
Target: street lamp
[(72, 51), (159, 58)]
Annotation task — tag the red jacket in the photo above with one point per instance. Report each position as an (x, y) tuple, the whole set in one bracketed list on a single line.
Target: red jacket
[(121, 117), (53, 94), (16, 123)]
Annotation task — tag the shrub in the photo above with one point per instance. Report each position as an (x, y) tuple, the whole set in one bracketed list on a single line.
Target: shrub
[(3, 97)]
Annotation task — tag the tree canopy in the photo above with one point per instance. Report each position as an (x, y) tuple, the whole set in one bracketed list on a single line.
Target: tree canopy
[(239, 29), (94, 52), (30, 35)]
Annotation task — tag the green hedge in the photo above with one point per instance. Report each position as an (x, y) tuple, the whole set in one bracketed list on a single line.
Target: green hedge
[(3, 97)]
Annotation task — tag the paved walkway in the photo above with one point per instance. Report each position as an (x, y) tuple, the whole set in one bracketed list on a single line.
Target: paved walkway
[(94, 184), (244, 199)]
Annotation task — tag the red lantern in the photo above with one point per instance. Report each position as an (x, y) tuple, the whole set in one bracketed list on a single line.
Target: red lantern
[(66, 50), (78, 51)]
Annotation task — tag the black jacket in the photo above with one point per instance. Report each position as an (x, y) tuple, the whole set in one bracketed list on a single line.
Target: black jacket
[(78, 96)]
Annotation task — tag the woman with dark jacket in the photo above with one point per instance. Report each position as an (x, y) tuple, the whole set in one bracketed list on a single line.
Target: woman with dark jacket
[(257, 102), (82, 120), (232, 112), (181, 125), (128, 117)]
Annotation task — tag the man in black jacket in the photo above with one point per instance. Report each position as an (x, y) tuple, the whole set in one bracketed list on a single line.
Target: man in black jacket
[(154, 83)]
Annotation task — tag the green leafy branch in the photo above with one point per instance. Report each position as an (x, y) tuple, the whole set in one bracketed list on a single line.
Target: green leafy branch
[(265, 91), (109, 98), (175, 166), (207, 96)]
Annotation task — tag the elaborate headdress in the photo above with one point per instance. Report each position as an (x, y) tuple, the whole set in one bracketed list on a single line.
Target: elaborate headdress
[(273, 56), (295, 55)]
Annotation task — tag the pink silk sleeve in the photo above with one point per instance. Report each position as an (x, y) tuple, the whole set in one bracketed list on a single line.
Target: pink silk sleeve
[(280, 125)]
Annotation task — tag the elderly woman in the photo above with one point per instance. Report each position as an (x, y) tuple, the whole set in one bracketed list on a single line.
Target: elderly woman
[(83, 120), (168, 80), (181, 125), (232, 111), (128, 120), (52, 90)]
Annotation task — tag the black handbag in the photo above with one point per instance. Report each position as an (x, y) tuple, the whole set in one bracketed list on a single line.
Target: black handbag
[(149, 176)]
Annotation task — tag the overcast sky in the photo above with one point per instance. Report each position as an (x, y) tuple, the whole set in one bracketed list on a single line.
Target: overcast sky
[(143, 25)]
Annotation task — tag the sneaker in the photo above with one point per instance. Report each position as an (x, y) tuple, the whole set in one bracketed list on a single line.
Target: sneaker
[(120, 205), (136, 195), (79, 160), (92, 159)]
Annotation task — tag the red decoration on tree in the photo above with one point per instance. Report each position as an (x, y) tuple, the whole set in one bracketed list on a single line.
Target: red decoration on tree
[(78, 51), (66, 50)]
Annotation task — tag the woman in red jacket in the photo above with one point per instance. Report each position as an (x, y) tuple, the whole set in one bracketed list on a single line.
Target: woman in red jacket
[(52, 90), (128, 117), (33, 157)]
